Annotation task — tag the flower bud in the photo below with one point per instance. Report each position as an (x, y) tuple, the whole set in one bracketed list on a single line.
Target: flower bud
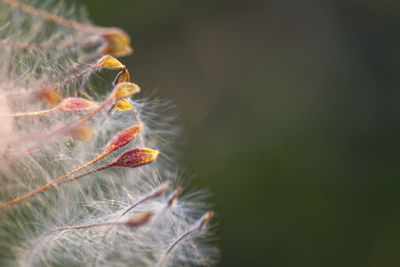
[(118, 43), (123, 138), (123, 104), (139, 219), (50, 96), (110, 62), (122, 76), (136, 157), (82, 132), (76, 104), (126, 89), (204, 219)]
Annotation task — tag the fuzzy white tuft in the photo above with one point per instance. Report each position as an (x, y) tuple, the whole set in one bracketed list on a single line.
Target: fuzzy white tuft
[(112, 217)]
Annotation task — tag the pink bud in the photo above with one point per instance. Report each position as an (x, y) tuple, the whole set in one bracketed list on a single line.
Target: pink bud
[(76, 104)]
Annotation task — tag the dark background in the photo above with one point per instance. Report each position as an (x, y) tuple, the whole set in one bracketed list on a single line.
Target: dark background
[(291, 115)]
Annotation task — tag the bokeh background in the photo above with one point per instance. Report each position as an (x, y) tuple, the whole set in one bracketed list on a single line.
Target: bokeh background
[(291, 115)]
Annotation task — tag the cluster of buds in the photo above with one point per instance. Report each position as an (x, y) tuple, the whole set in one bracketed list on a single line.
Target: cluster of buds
[(128, 210)]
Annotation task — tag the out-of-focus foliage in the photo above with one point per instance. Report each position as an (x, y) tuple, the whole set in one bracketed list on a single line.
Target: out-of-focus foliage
[(292, 110)]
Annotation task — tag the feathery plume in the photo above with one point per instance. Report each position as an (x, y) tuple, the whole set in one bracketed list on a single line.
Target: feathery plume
[(57, 127)]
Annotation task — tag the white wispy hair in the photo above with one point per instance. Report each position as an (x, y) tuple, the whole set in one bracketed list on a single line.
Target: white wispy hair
[(112, 217)]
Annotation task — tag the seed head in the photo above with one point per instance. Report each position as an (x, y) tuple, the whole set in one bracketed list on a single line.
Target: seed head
[(58, 205)]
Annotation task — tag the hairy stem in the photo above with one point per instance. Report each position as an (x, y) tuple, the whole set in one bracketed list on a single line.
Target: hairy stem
[(25, 114), (56, 182), (52, 18)]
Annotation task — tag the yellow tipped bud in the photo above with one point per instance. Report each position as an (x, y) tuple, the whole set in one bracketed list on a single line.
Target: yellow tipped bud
[(118, 43), (110, 62), (136, 157), (126, 89), (123, 104)]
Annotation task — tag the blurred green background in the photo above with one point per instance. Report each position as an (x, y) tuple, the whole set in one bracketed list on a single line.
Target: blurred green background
[(292, 119)]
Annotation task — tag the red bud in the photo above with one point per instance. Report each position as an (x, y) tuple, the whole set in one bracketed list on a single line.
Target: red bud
[(136, 157), (123, 138)]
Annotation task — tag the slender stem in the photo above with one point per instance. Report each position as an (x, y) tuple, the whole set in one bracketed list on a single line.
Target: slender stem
[(53, 18), (196, 227), (137, 117), (75, 77), (13, 154), (180, 239), (52, 82), (42, 46), (135, 205), (65, 129), (87, 226), (56, 182), (74, 69), (90, 114), (36, 113), (62, 130), (40, 240), (83, 175), (155, 193)]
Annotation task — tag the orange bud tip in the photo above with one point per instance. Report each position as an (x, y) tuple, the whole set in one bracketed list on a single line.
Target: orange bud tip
[(126, 89), (162, 188), (123, 138), (76, 104), (136, 157), (140, 219), (110, 62), (174, 197), (122, 77), (82, 132), (49, 96), (205, 219)]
